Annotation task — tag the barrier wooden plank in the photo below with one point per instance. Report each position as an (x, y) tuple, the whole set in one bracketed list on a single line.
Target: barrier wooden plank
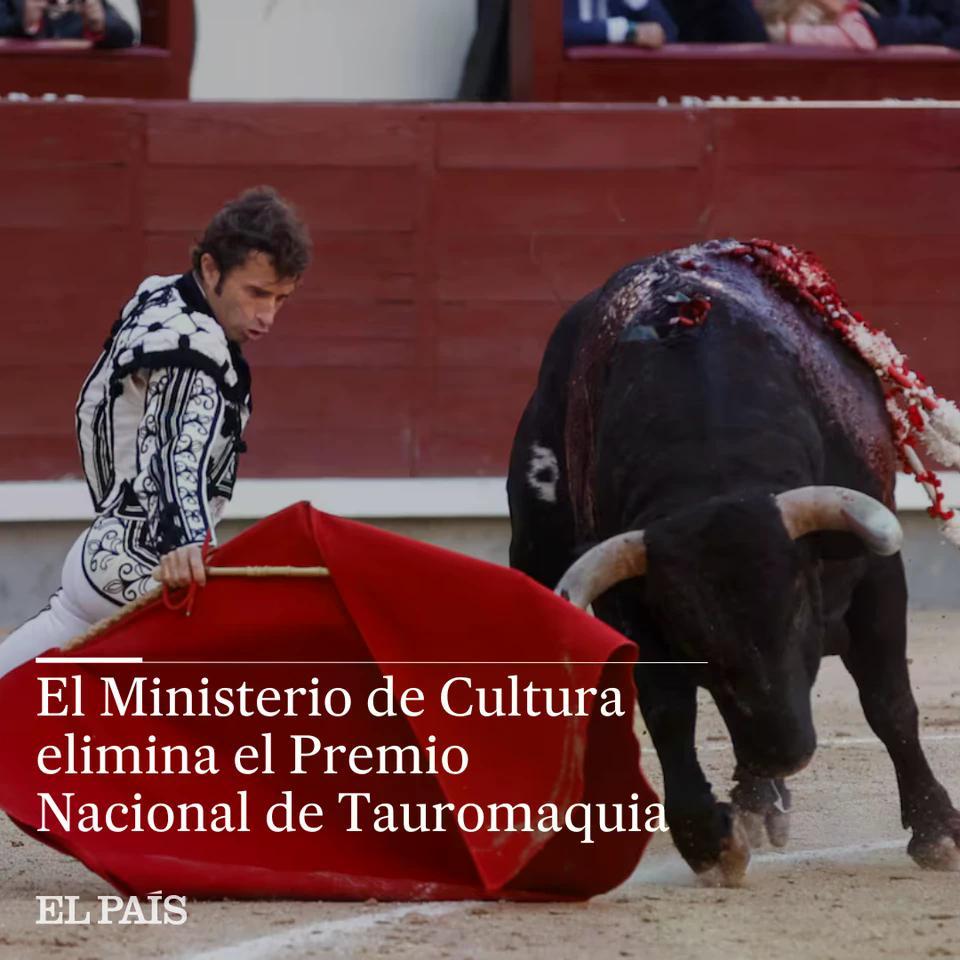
[(327, 135), (96, 268), (379, 266), (550, 201), (557, 268), (34, 407), (494, 336), (185, 197), (308, 396), (363, 414), (470, 427), (58, 135), (340, 333), (606, 139), (912, 270), (893, 203), (347, 450), (834, 139), (29, 456), (96, 196)]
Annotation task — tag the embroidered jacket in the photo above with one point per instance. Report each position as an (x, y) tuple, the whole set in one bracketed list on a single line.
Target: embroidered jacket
[(161, 416)]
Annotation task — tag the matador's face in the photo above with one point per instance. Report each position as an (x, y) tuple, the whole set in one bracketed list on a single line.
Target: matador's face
[(249, 298)]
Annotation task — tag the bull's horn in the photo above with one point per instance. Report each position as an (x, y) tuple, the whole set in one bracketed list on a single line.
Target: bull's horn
[(808, 509), (603, 566)]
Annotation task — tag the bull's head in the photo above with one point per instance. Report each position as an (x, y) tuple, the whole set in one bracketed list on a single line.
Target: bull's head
[(732, 583)]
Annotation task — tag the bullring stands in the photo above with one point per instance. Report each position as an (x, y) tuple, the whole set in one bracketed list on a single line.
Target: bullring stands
[(157, 69), (541, 69)]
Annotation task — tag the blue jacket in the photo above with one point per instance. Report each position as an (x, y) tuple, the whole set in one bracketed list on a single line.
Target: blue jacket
[(594, 22), (717, 21), (916, 21)]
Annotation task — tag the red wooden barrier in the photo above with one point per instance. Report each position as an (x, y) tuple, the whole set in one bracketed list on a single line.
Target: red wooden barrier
[(449, 239)]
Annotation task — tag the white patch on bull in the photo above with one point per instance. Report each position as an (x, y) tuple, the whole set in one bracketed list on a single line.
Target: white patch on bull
[(543, 473)]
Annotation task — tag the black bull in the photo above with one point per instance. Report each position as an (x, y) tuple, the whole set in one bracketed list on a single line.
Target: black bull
[(681, 400)]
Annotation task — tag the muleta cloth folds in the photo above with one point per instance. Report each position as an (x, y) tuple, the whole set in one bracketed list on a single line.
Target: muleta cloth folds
[(388, 601)]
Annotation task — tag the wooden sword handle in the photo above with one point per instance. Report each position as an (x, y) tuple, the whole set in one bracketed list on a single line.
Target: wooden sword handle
[(268, 572), (260, 572)]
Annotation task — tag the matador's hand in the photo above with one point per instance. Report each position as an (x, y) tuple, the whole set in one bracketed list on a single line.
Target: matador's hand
[(181, 567)]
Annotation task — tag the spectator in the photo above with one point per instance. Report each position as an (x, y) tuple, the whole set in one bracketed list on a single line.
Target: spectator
[(643, 23), (827, 23), (94, 20), (717, 21), (863, 25), (914, 21)]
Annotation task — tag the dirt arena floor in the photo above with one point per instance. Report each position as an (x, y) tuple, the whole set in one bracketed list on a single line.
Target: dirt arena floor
[(844, 888)]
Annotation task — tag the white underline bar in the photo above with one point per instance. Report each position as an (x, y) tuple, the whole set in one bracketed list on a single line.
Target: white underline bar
[(410, 663), (89, 660)]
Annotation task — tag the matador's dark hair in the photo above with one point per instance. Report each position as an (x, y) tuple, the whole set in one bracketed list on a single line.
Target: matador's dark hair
[(258, 220)]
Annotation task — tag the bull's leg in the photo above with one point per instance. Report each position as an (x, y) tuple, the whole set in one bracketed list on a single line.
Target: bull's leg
[(877, 660), (542, 545), (541, 519), (707, 834), (764, 808)]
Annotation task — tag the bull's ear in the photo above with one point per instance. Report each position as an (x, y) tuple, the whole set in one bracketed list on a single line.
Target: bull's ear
[(835, 545)]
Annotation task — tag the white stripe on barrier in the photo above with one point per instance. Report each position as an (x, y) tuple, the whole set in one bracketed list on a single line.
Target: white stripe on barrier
[(362, 498), (783, 103)]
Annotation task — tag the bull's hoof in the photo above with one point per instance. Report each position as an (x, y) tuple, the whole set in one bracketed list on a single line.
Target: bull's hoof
[(764, 808), (778, 827), (938, 847), (754, 828), (773, 825), (730, 870), (942, 854)]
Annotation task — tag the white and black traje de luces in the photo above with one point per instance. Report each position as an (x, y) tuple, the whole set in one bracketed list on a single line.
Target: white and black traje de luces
[(160, 420)]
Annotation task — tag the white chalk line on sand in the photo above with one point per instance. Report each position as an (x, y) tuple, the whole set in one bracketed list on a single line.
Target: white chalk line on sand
[(841, 742), (671, 869), (321, 933), (849, 852)]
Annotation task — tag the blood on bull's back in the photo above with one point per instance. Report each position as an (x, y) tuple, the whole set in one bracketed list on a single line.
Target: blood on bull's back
[(694, 374)]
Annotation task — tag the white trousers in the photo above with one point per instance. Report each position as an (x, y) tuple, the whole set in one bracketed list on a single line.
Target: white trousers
[(73, 609)]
